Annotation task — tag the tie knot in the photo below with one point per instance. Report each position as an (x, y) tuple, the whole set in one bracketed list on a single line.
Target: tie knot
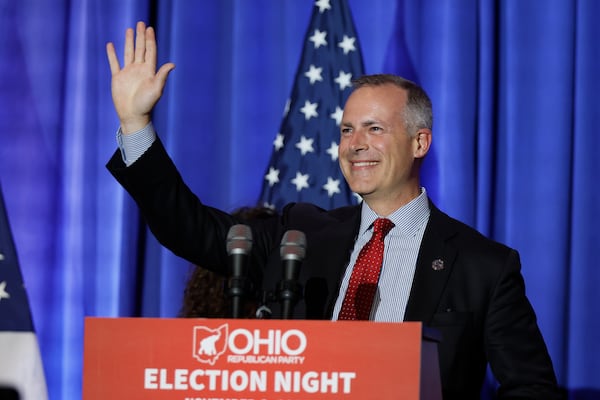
[(382, 226)]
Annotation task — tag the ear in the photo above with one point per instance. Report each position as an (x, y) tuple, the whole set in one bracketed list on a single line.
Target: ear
[(422, 142)]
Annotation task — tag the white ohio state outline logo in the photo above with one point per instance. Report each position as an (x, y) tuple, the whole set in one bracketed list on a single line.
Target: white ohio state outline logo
[(209, 344)]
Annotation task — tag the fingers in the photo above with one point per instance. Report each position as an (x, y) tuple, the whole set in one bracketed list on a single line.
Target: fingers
[(151, 48), (113, 62), (128, 56), (143, 51), (140, 42)]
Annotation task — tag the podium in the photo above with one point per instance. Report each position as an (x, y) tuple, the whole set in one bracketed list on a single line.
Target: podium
[(239, 359)]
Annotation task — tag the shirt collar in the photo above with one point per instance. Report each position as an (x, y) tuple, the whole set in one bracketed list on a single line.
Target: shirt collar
[(407, 219)]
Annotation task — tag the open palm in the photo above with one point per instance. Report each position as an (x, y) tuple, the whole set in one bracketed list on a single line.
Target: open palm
[(136, 87)]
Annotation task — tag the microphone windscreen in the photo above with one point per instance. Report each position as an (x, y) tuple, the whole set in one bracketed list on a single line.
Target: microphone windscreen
[(293, 245), (239, 239)]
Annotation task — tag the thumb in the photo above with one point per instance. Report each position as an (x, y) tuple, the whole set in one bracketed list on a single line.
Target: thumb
[(163, 73)]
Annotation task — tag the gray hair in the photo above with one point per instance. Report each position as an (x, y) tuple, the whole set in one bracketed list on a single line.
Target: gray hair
[(418, 112)]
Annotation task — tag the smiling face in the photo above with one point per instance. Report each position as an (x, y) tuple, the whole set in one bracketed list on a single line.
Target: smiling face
[(378, 157)]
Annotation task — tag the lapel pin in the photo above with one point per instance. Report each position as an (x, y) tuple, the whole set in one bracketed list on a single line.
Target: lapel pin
[(437, 264)]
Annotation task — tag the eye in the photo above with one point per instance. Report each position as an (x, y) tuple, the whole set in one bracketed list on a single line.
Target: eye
[(346, 131), (375, 129)]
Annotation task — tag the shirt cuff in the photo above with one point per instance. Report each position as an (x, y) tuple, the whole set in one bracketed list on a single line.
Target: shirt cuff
[(135, 144)]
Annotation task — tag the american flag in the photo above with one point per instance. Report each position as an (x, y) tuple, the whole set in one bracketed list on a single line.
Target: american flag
[(20, 364), (304, 164)]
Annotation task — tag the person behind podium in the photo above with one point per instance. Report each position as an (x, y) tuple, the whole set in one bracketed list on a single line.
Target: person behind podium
[(435, 269)]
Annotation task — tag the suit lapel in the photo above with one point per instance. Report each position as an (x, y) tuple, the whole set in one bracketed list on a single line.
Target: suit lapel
[(336, 253), (434, 265), (345, 234)]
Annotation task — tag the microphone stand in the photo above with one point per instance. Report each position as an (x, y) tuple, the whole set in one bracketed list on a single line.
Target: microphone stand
[(290, 292), (236, 293)]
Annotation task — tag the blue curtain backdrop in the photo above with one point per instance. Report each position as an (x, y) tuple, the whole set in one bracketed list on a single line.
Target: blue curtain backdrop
[(514, 85)]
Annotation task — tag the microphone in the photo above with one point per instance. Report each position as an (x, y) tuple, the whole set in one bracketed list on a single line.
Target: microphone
[(292, 251), (239, 244)]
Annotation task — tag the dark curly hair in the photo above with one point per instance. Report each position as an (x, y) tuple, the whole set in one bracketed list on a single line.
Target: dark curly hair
[(204, 295)]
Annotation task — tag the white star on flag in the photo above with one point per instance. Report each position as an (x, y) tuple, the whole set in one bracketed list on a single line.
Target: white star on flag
[(347, 44), (314, 74), (3, 293), (300, 181), (337, 115), (332, 186), (278, 142), (305, 145), (333, 151), (309, 110), (344, 80), (318, 38), (323, 5), (273, 176)]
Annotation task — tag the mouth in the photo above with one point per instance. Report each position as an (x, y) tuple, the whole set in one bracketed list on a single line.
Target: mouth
[(359, 164)]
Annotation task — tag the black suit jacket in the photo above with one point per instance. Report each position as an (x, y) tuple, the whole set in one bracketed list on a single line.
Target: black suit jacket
[(477, 300)]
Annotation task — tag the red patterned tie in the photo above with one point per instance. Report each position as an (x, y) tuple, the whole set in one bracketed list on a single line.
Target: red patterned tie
[(365, 275)]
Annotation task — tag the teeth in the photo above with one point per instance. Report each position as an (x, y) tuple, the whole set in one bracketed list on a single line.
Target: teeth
[(364, 163)]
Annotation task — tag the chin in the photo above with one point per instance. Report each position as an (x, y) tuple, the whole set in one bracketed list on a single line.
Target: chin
[(361, 190)]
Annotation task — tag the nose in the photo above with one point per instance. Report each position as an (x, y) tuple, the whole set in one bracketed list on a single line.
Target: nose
[(358, 142)]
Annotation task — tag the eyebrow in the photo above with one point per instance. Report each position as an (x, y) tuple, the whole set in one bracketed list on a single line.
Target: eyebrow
[(368, 122)]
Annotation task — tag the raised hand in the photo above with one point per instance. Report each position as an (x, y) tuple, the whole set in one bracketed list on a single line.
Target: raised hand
[(136, 87)]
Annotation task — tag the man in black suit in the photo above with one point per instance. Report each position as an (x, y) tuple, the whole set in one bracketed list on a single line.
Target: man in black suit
[(435, 269)]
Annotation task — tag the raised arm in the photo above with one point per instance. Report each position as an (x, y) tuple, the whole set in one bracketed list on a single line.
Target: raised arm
[(136, 87)]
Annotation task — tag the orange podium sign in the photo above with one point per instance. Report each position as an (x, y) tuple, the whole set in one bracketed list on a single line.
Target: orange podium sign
[(240, 359)]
